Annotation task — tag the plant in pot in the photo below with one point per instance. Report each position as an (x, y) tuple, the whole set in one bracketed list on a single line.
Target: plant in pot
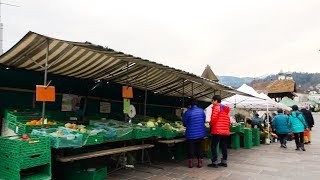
[(263, 137), (239, 117)]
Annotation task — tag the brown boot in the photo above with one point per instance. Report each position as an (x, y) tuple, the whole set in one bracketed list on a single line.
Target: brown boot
[(200, 161), (190, 163)]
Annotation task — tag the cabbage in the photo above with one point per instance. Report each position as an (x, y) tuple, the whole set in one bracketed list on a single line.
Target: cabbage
[(159, 120), (150, 124), (167, 126)]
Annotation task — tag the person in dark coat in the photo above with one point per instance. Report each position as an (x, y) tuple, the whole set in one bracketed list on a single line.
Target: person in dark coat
[(194, 121), (256, 122), (310, 121)]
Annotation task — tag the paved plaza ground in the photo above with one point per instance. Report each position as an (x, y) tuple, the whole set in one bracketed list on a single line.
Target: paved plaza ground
[(264, 162)]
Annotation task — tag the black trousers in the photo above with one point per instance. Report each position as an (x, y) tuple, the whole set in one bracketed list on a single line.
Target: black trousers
[(195, 148), (283, 138), (298, 137), (222, 140)]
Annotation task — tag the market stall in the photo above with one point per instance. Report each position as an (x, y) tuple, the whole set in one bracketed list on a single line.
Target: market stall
[(92, 66)]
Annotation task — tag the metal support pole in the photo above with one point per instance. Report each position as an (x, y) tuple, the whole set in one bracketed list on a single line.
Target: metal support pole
[(45, 79), (146, 95), (268, 124), (192, 90), (145, 109), (183, 93)]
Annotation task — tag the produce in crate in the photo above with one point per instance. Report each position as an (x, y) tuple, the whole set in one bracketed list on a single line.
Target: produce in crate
[(167, 126), (75, 127), (150, 124), (39, 122), (25, 136)]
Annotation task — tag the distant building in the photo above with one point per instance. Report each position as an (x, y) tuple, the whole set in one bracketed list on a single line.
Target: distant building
[(208, 74), (285, 76), (285, 86), (301, 97)]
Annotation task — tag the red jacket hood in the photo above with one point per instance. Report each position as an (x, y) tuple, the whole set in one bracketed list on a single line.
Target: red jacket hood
[(223, 108)]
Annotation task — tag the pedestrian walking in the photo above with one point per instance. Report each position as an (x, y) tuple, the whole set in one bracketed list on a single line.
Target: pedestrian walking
[(280, 124), (310, 121), (297, 124)]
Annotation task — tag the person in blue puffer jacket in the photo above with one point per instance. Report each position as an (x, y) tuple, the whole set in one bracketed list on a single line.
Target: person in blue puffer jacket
[(297, 124), (281, 124), (194, 121)]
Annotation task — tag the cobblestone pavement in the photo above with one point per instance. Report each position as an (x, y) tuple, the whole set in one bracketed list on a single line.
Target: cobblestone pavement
[(264, 162)]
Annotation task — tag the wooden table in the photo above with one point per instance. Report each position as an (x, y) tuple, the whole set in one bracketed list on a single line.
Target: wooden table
[(104, 153), (172, 141)]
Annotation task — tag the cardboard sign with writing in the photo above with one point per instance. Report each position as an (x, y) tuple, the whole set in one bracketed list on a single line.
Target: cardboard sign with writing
[(44, 93), (105, 107)]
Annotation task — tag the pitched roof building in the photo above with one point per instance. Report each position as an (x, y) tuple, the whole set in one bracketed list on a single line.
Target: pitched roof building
[(285, 86), (208, 74)]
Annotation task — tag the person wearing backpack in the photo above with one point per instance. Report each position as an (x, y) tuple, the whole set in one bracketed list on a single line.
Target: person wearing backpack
[(220, 131), (298, 124), (281, 125)]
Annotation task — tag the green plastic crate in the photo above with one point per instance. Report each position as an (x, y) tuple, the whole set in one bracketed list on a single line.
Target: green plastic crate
[(123, 133), (63, 142), (141, 132), (22, 116), (92, 139), (20, 129), (237, 129), (60, 141), (256, 137), (247, 138), (167, 134), (86, 174), (22, 161), (156, 131), (12, 144), (36, 173), (129, 135), (235, 141), (180, 133)]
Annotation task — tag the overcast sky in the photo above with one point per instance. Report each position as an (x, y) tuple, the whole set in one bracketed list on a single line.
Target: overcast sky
[(235, 37)]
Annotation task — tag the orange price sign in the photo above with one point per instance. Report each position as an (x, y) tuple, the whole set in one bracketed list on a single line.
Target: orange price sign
[(44, 93)]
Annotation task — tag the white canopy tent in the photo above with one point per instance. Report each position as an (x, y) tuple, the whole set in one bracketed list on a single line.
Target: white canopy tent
[(259, 102)]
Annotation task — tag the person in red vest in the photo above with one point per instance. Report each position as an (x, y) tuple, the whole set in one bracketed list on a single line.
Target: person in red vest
[(220, 131)]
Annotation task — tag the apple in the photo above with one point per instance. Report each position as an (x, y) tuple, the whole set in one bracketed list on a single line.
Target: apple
[(25, 136)]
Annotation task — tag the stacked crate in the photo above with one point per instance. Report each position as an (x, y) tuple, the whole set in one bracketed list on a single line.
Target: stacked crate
[(256, 136), (247, 138), (16, 121), (25, 158), (235, 137)]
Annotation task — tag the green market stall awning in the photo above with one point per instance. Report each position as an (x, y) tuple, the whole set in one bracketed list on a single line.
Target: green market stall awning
[(88, 61), (289, 102)]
